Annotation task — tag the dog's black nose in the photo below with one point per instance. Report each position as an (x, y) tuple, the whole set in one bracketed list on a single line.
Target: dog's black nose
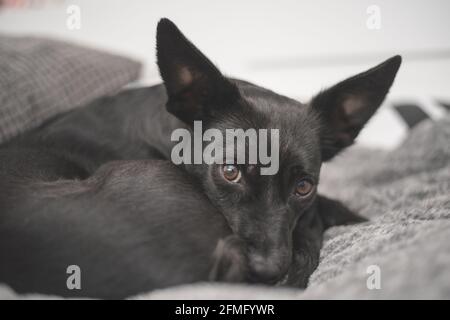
[(268, 270)]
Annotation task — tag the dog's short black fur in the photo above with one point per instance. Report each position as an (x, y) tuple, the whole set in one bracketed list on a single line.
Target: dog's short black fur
[(125, 227), (135, 226)]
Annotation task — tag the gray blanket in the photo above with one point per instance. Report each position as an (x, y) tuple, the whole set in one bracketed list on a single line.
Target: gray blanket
[(403, 252)]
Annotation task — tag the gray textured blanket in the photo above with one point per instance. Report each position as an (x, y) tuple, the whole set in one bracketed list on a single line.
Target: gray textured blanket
[(403, 252)]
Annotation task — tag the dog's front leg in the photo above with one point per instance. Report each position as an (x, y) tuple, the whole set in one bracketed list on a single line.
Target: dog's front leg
[(308, 236), (307, 241), (335, 213), (229, 260)]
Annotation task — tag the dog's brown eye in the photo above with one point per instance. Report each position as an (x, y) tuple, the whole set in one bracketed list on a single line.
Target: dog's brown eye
[(304, 187), (231, 173)]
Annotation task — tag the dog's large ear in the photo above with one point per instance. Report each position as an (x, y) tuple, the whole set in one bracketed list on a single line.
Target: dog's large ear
[(346, 107), (194, 85)]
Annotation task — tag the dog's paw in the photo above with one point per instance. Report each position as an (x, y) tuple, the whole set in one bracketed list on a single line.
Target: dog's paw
[(335, 213), (229, 260)]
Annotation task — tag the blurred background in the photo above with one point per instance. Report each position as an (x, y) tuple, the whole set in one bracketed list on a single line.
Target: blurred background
[(292, 47)]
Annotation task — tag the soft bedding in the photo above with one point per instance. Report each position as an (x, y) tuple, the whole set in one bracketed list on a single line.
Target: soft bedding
[(40, 78)]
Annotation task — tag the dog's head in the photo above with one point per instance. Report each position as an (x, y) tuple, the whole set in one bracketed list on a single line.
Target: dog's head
[(263, 209)]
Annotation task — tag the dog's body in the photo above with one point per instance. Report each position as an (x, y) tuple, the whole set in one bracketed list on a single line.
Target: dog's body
[(119, 222), (130, 229), (125, 227)]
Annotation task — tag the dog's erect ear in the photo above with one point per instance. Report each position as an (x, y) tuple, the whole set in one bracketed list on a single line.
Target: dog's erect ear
[(194, 85), (347, 106)]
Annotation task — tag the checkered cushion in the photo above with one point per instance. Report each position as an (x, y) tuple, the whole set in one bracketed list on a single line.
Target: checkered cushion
[(40, 78)]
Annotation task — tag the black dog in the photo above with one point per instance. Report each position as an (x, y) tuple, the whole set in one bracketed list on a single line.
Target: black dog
[(131, 227), (273, 224), (263, 210)]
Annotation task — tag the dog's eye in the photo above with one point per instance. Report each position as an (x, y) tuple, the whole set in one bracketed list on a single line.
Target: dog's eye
[(304, 187), (231, 173)]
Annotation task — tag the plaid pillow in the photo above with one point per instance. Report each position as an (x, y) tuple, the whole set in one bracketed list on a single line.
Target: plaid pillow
[(40, 78)]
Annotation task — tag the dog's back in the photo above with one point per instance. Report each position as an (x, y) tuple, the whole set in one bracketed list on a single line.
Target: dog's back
[(75, 144), (123, 227)]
